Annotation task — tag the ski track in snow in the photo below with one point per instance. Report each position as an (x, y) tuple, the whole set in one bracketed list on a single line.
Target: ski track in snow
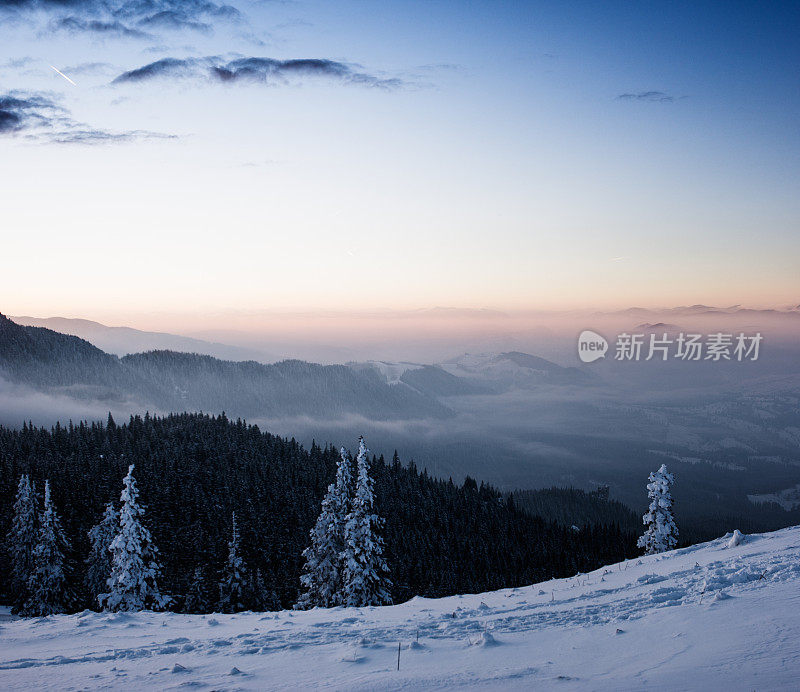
[(713, 616)]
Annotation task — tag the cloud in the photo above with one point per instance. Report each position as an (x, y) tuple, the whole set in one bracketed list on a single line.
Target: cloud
[(253, 69), (169, 19), (23, 111), (38, 117), (126, 18), (114, 28), (18, 63), (94, 136), (651, 96), (88, 68)]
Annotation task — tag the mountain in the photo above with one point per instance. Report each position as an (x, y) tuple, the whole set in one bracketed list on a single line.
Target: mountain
[(514, 370), (430, 380), (477, 374), (123, 340), (57, 363), (715, 616), (287, 388)]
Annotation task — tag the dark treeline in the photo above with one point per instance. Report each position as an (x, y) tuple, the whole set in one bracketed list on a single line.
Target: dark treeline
[(194, 470), (572, 506)]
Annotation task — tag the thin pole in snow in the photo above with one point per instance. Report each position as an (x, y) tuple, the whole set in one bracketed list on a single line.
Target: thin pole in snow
[(398, 655)]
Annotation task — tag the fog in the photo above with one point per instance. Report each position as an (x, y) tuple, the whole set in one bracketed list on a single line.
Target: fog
[(21, 404)]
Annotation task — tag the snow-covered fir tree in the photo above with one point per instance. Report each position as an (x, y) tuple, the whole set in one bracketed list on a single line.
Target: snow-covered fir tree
[(661, 533), (232, 586), (47, 585), (133, 584), (365, 579), (196, 600), (22, 540), (99, 562), (323, 573)]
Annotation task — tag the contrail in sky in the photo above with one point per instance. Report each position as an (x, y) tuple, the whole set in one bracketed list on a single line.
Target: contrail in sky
[(63, 75)]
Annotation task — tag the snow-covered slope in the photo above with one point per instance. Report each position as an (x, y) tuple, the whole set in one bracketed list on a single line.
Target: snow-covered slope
[(717, 616)]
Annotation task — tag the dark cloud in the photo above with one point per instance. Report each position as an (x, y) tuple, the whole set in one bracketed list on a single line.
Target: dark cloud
[(652, 96), (127, 18), (22, 111), (38, 117), (253, 69), (113, 29), (170, 19)]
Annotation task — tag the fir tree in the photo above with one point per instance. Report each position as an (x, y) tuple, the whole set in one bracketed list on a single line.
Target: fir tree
[(365, 571), (323, 573), (133, 584), (259, 596), (233, 583), (47, 585), (661, 533), (99, 563), (196, 600), (22, 540)]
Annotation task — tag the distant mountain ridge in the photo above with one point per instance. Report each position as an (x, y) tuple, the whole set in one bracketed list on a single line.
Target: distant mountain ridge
[(486, 373), (121, 341), (515, 369), (165, 380)]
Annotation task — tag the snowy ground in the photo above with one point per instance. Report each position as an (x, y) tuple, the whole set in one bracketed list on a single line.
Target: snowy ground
[(711, 617)]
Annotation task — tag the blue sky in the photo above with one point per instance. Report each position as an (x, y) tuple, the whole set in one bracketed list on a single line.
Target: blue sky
[(481, 154)]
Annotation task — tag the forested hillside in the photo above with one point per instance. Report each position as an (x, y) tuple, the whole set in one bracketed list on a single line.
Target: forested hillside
[(575, 507), (171, 381), (194, 470)]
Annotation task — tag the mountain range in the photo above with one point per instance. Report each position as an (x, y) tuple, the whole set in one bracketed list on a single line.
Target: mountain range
[(175, 380), (162, 380)]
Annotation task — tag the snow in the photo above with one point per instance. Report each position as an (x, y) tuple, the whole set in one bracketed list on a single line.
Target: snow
[(392, 372), (720, 615)]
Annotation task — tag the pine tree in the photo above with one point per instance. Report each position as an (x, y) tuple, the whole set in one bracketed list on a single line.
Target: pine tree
[(661, 533), (365, 571), (133, 584), (100, 562), (258, 596), (196, 600), (233, 583), (323, 572), (22, 541), (47, 585)]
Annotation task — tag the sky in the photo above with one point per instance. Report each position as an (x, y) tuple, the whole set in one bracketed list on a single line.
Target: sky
[(195, 157)]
